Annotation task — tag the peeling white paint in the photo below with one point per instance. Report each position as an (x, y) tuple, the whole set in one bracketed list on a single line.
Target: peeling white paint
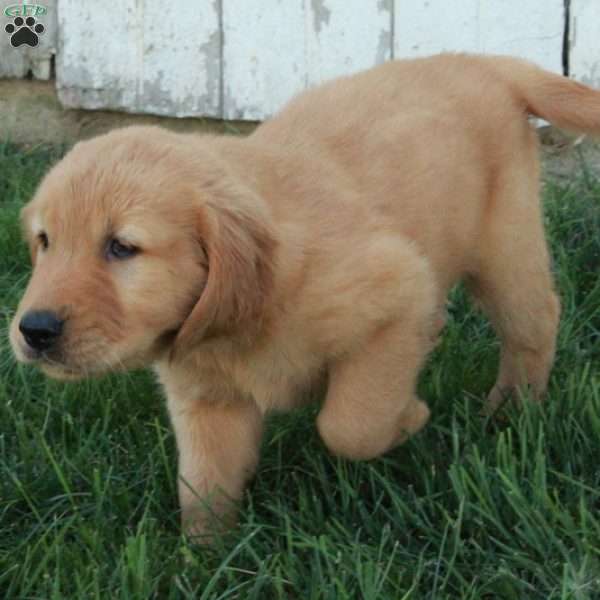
[(140, 56), (244, 60), (348, 38), (584, 42), (274, 49), (532, 29), (264, 58)]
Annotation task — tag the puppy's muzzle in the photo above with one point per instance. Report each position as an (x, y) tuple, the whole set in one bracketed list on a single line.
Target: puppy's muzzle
[(41, 329)]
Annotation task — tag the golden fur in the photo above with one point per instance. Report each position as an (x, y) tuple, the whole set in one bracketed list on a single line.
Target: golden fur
[(313, 256)]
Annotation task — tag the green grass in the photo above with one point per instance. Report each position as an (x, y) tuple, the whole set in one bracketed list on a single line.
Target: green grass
[(467, 509)]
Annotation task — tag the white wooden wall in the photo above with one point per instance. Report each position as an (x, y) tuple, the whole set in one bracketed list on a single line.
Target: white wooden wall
[(243, 59)]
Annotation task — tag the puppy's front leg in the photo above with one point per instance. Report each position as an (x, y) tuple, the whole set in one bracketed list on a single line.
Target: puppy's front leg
[(218, 452)]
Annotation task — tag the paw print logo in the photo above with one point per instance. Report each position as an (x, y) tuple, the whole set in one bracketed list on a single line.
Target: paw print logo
[(24, 31)]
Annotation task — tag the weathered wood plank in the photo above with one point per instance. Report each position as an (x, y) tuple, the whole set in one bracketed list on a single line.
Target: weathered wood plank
[(140, 56), (244, 60), (24, 59), (346, 36), (273, 49), (584, 41), (264, 59), (532, 29)]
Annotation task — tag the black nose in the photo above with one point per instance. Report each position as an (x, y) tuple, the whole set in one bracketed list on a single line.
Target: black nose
[(41, 329)]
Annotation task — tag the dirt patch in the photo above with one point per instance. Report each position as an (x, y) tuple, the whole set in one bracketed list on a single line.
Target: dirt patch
[(564, 155)]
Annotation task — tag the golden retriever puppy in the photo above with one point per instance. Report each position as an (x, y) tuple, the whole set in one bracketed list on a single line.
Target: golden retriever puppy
[(312, 257)]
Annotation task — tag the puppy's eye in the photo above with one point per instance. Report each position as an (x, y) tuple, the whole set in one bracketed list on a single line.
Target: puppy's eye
[(43, 240), (117, 250)]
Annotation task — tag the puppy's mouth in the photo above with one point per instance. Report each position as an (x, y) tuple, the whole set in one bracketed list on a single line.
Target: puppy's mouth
[(62, 372), (53, 364)]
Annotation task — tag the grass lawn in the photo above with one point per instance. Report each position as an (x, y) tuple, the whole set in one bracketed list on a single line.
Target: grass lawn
[(467, 509)]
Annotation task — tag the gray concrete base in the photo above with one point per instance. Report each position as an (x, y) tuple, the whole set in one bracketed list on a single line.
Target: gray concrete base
[(30, 113)]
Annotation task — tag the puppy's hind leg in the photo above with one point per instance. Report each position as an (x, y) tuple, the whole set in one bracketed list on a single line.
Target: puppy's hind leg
[(514, 286), (526, 319)]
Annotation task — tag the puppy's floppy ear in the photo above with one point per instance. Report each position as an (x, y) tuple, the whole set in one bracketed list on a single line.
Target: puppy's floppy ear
[(239, 243)]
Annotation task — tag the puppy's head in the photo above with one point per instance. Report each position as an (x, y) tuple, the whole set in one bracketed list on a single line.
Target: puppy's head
[(142, 243)]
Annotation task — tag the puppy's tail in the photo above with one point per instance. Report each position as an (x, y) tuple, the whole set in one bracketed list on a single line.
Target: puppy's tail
[(565, 103)]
